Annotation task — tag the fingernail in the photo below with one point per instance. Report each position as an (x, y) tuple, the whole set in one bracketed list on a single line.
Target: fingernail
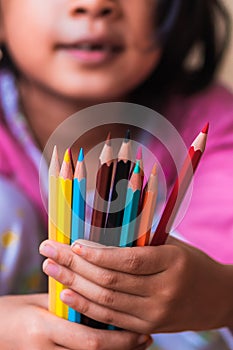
[(149, 342), (47, 250), (77, 248), (51, 269), (67, 297), (143, 339)]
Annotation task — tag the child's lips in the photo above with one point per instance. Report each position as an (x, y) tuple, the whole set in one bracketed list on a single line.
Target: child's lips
[(92, 51)]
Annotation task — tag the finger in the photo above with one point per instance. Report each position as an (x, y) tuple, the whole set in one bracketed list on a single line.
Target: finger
[(40, 300), (136, 260), (101, 313), (109, 298), (119, 281), (144, 346), (78, 337)]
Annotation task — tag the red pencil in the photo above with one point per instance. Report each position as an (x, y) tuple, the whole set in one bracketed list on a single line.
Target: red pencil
[(181, 185)]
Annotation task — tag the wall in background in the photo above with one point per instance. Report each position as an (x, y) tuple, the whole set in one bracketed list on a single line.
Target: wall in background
[(226, 71)]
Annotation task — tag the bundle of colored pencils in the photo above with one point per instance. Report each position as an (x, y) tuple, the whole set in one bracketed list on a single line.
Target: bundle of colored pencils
[(123, 210)]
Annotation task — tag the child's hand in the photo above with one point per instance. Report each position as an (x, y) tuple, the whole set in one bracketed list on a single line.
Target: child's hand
[(27, 324), (144, 289)]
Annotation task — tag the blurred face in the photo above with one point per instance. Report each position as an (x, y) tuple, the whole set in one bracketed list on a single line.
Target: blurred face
[(86, 49)]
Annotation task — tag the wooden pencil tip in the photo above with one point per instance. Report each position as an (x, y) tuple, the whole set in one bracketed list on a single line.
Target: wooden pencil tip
[(108, 139), (205, 129), (54, 154), (127, 136), (139, 153), (81, 155), (154, 170)]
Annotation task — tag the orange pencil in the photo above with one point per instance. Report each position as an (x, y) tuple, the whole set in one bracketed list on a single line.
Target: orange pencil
[(185, 176), (148, 209)]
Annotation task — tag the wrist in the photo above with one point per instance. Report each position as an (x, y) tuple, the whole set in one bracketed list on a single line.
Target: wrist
[(227, 296)]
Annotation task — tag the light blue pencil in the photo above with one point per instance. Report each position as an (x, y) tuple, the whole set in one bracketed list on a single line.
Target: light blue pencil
[(131, 210), (78, 214), (130, 213)]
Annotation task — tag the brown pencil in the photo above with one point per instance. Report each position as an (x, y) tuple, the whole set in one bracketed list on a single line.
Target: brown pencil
[(103, 184), (181, 185)]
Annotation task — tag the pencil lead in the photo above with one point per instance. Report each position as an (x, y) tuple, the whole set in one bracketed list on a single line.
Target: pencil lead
[(139, 153), (127, 136), (205, 129), (137, 167), (108, 139), (81, 155), (67, 156)]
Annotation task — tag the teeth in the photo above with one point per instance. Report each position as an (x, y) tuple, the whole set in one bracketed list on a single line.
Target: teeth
[(94, 47)]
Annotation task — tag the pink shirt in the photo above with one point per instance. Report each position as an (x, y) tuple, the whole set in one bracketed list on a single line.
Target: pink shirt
[(208, 223)]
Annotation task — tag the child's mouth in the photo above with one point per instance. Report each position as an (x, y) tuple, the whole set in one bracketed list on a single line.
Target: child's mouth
[(92, 52)]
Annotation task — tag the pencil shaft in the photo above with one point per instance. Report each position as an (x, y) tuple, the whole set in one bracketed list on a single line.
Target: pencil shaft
[(117, 203), (78, 209), (178, 192), (148, 209), (52, 234), (54, 169), (103, 183), (63, 233), (129, 220)]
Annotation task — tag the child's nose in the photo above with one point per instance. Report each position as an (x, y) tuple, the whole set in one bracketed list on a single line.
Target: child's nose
[(96, 8)]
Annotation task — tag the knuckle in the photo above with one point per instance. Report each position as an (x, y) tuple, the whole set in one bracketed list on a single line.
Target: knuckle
[(69, 260), (67, 278), (83, 307), (96, 257), (108, 297), (36, 328), (134, 261), (93, 343), (108, 317), (108, 279)]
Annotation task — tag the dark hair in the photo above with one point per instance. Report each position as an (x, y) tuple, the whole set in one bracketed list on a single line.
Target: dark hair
[(182, 26)]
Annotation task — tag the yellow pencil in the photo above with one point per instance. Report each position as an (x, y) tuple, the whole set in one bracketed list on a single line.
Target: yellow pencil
[(64, 220), (54, 169)]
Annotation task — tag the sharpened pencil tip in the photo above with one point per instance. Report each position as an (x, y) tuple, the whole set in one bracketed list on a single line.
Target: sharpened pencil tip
[(139, 153), (67, 156), (81, 155), (154, 170), (127, 136), (137, 167), (205, 129), (108, 140)]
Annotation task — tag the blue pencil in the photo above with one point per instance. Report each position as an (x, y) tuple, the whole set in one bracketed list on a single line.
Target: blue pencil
[(78, 214), (131, 210), (130, 213)]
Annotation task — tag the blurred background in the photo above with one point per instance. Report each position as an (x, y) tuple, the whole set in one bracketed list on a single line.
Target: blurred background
[(226, 71)]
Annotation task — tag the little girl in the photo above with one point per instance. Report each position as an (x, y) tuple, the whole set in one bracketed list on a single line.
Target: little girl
[(64, 55)]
